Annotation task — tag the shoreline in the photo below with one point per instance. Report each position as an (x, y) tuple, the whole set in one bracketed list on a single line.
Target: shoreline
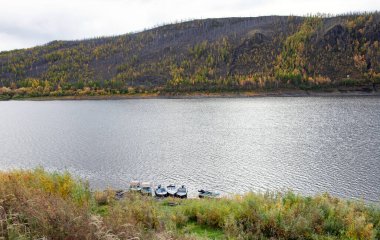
[(59, 198), (201, 95)]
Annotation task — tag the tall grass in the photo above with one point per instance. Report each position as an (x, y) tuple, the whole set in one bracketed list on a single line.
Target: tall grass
[(37, 204), (286, 216)]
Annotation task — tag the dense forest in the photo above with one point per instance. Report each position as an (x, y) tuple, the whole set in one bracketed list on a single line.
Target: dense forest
[(227, 54)]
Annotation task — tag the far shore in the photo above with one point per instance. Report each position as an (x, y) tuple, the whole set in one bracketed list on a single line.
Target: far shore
[(196, 95)]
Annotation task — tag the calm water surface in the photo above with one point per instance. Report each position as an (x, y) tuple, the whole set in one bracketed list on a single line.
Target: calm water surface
[(310, 145)]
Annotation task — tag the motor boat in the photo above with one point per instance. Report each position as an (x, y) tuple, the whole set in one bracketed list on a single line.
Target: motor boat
[(119, 194), (181, 192), (161, 191), (135, 186), (146, 188), (172, 190), (208, 194)]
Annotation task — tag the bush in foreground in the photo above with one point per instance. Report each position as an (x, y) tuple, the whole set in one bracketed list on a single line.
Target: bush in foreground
[(286, 216)]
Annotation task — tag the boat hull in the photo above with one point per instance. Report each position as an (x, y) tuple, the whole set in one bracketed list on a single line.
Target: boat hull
[(181, 195), (160, 194), (208, 194), (146, 193), (172, 193)]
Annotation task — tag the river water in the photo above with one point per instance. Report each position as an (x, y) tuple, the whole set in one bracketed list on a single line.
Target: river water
[(308, 144)]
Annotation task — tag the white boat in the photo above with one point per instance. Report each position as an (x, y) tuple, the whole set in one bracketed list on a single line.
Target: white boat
[(135, 186), (161, 191), (181, 192), (172, 190)]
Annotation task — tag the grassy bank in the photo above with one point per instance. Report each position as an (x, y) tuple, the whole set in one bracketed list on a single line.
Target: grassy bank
[(37, 204), (332, 92)]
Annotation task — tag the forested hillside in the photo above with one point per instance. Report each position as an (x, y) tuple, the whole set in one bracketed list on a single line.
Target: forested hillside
[(228, 54)]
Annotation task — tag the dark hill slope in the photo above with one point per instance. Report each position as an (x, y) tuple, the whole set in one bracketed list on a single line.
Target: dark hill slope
[(226, 53)]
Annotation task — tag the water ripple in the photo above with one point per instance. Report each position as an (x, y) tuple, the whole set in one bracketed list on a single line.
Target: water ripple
[(310, 145)]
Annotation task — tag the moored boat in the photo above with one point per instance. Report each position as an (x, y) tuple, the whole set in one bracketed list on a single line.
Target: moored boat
[(146, 188), (172, 190), (135, 186), (181, 192), (208, 194), (119, 194), (161, 191)]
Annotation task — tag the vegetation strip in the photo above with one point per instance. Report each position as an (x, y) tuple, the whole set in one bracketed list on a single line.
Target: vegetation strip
[(37, 204)]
